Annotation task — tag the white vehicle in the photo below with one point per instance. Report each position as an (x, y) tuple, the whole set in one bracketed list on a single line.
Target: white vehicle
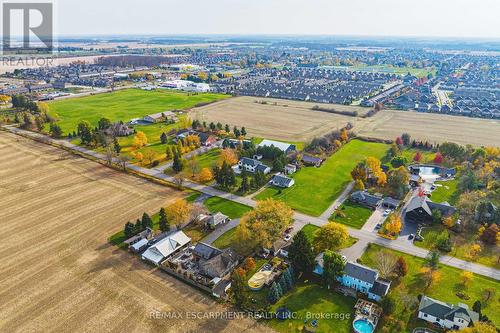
[(387, 212), (287, 237)]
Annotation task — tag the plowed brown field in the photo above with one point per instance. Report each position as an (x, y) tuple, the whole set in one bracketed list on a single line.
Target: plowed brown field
[(59, 274)]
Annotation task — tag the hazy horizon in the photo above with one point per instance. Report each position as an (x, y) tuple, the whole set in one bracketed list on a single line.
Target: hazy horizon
[(460, 19)]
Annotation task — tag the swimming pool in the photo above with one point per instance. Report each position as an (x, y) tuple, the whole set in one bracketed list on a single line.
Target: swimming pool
[(362, 326), (429, 171)]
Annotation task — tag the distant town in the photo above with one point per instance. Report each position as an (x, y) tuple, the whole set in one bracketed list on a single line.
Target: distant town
[(306, 184)]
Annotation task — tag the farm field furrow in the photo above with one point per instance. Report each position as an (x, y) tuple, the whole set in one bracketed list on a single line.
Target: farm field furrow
[(60, 274)]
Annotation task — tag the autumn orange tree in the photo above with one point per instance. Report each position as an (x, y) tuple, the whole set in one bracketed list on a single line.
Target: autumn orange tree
[(140, 140), (264, 225), (375, 166), (178, 212), (394, 224), (205, 175), (229, 156), (331, 236)]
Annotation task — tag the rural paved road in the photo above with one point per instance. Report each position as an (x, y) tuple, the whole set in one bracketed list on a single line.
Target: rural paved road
[(364, 236)]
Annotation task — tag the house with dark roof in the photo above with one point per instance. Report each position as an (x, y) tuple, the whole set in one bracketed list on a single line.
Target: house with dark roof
[(282, 181), (311, 160), (419, 209), (360, 278), (206, 139), (445, 315), (253, 165), (366, 199)]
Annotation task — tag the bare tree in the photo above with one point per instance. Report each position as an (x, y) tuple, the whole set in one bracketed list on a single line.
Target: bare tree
[(385, 263), (123, 160), (178, 180), (198, 209), (110, 154)]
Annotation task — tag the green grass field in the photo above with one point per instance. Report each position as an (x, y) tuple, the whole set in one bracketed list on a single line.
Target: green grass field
[(232, 209), (446, 192), (123, 105), (310, 298), (209, 159), (446, 289), (351, 214), (316, 188)]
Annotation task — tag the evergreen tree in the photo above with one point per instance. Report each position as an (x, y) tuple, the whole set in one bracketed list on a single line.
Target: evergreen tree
[(278, 165), (163, 138), (177, 165), (227, 129), (138, 226), (146, 222), (244, 182), (301, 254), (288, 278), (273, 295), (225, 144), (212, 126), (243, 131), (283, 284), (116, 146), (129, 230), (164, 225), (219, 126)]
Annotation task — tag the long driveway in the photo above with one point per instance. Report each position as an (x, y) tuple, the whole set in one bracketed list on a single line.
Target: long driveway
[(301, 219)]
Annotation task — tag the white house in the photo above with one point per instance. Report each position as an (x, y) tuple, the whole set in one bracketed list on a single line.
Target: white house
[(166, 247), (449, 316), (253, 166), (283, 146)]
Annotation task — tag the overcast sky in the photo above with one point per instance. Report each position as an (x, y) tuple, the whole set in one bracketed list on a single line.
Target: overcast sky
[(454, 18)]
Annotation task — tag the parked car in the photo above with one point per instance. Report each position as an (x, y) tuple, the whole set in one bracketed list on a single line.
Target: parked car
[(287, 237), (411, 236), (387, 212), (378, 226), (289, 229)]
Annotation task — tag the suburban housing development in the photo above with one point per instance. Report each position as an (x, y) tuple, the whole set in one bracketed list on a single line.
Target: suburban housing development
[(225, 182)]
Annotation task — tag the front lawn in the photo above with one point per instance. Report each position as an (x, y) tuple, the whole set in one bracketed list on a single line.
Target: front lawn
[(316, 188), (351, 214), (227, 207), (306, 300), (445, 289)]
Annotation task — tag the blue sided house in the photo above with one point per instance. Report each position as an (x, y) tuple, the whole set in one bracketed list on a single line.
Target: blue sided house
[(360, 278)]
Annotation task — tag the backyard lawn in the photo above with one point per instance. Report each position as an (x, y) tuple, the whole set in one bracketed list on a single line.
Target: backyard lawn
[(351, 214), (446, 288), (123, 105), (314, 299), (232, 209), (445, 191), (316, 188)]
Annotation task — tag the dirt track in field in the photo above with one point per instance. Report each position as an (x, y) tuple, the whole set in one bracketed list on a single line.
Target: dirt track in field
[(59, 274)]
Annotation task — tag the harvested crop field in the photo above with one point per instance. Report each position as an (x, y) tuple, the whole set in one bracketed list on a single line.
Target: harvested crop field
[(59, 274), (287, 120), (389, 124)]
